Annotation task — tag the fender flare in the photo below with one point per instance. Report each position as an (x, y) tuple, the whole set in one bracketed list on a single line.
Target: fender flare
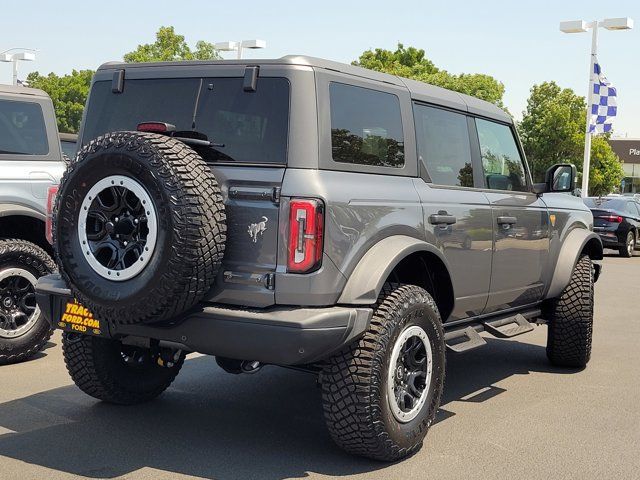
[(12, 209), (366, 280), (577, 241)]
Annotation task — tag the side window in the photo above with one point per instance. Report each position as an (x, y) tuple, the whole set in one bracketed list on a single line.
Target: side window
[(443, 145), (366, 126), (22, 130), (501, 161), (631, 209)]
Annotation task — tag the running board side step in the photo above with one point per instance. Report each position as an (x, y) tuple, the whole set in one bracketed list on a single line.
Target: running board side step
[(463, 340), (508, 327)]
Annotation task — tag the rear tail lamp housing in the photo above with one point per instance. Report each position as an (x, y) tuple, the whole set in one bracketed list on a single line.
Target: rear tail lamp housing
[(306, 232), (612, 218), (52, 191)]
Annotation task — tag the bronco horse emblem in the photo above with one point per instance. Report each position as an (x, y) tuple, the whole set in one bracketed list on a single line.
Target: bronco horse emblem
[(259, 228)]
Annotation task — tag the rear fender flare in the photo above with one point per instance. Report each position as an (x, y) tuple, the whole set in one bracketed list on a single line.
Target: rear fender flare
[(577, 242), (373, 269)]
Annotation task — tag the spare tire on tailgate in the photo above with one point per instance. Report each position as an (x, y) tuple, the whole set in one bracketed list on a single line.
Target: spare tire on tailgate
[(139, 227)]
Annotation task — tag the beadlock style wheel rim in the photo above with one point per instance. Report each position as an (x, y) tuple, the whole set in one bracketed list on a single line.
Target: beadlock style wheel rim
[(117, 228), (18, 308), (410, 372)]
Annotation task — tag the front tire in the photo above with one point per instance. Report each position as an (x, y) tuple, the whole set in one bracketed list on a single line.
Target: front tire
[(115, 373), (381, 394), (23, 329), (571, 319)]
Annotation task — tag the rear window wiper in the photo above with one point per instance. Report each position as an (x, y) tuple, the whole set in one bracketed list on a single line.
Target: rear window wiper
[(209, 151)]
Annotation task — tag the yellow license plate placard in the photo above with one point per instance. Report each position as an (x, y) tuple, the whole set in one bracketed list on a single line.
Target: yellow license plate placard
[(78, 319)]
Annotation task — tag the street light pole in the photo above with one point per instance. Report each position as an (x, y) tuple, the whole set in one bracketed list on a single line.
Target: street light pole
[(239, 46), (586, 163), (579, 26), (14, 58)]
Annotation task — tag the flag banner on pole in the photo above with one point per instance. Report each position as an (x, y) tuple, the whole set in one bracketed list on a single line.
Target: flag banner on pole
[(603, 101)]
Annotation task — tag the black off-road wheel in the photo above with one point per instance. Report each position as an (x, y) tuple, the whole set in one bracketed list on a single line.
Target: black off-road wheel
[(629, 246), (139, 227), (116, 373), (23, 329), (381, 394), (571, 319)]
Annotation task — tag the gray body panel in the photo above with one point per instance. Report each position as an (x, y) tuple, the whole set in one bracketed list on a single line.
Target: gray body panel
[(376, 216), (24, 179)]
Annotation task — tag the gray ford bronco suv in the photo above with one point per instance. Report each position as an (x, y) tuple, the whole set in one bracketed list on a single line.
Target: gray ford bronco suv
[(31, 161), (308, 214)]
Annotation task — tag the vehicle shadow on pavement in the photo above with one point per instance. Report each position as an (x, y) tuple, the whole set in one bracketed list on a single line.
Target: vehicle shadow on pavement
[(214, 425)]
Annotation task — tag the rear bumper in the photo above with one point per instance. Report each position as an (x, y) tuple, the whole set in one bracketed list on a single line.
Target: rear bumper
[(277, 335)]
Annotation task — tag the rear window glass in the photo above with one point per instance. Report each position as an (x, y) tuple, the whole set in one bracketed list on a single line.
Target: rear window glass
[(366, 126), (22, 129), (69, 148), (252, 127), (605, 203)]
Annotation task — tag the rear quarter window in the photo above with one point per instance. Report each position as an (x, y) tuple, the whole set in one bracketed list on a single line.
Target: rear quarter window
[(366, 126), (22, 128)]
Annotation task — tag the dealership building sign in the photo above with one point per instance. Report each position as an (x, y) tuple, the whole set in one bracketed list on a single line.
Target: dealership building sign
[(628, 149)]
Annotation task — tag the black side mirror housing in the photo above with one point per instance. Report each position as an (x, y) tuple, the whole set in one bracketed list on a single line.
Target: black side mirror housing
[(561, 177)]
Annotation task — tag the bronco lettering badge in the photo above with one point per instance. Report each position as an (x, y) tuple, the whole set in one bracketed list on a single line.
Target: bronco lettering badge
[(259, 228)]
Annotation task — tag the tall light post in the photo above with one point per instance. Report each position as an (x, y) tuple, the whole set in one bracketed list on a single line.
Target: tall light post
[(580, 26), (27, 54), (238, 46)]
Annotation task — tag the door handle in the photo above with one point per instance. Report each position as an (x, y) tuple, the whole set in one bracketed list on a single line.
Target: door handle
[(505, 220), (441, 219)]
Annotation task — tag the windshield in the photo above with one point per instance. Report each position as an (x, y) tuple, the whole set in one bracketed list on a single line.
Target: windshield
[(250, 127)]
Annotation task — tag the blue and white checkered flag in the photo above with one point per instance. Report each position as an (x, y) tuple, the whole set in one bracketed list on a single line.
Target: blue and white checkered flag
[(603, 102)]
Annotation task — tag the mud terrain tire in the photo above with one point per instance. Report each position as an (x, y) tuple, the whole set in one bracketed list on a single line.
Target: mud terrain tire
[(187, 217), (571, 319)]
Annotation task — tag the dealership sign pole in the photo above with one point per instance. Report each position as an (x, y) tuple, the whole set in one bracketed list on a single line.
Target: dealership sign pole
[(579, 26)]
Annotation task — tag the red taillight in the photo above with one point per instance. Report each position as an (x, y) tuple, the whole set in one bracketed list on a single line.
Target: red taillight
[(306, 224), (52, 191), (155, 127), (612, 218)]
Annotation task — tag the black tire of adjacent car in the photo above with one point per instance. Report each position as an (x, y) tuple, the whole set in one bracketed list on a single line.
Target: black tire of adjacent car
[(354, 382), (629, 246), (25, 255), (571, 319), (191, 227), (98, 367)]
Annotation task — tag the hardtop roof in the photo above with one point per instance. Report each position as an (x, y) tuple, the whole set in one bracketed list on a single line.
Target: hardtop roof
[(419, 91), (19, 90)]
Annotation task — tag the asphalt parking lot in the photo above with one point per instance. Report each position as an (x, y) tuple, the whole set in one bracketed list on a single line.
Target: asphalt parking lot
[(506, 413)]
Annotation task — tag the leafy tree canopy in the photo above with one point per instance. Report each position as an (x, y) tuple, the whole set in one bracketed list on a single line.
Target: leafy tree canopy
[(552, 131), (410, 62), (169, 46), (68, 92)]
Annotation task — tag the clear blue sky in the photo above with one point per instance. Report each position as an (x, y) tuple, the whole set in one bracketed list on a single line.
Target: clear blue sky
[(518, 42)]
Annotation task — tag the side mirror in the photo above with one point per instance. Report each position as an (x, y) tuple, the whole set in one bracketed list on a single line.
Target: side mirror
[(559, 178)]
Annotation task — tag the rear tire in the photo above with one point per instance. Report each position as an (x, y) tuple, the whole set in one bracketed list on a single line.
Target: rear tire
[(139, 227), (112, 372), (571, 319), (371, 404), (23, 329), (629, 246)]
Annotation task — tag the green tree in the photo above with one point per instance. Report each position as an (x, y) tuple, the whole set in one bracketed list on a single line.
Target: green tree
[(606, 170), (552, 131), (169, 46), (68, 92), (410, 62)]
